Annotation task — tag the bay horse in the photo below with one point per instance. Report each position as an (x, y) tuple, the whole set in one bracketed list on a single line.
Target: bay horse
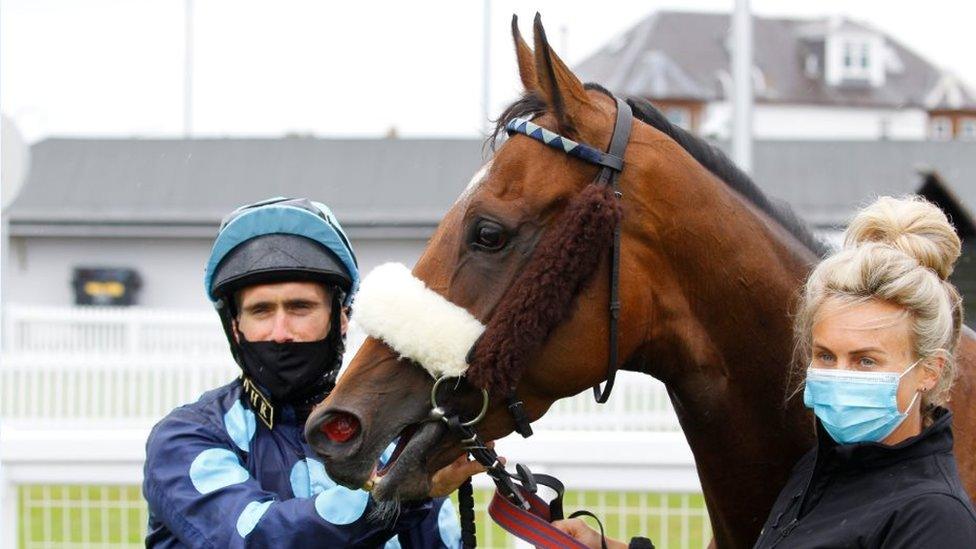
[(708, 271)]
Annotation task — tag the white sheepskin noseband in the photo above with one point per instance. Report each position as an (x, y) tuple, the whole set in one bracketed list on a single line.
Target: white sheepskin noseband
[(418, 323)]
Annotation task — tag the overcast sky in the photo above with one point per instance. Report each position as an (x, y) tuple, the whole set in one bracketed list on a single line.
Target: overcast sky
[(266, 68)]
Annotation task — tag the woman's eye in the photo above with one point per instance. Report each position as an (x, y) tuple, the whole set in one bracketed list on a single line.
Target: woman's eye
[(489, 236), (867, 362)]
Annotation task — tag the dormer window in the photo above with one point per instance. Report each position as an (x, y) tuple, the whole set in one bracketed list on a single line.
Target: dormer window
[(857, 59)]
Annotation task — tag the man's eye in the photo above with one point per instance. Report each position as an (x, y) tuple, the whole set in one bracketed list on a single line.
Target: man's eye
[(489, 236)]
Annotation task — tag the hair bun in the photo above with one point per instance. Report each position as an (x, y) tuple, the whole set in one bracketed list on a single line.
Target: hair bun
[(912, 225)]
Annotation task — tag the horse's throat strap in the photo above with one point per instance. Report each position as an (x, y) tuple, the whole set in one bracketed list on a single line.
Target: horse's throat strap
[(418, 323)]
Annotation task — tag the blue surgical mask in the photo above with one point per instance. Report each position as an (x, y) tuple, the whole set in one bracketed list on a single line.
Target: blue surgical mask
[(856, 406)]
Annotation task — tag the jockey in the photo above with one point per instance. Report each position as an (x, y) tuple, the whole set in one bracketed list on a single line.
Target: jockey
[(233, 469)]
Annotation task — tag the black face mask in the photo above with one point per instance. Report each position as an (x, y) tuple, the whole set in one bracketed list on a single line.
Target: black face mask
[(291, 371)]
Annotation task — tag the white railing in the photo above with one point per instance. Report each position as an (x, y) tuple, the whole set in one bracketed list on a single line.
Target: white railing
[(114, 388), (79, 388), (90, 363), (639, 403), (112, 330), (127, 389)]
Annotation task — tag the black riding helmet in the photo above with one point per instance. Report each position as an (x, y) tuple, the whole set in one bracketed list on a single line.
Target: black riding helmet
[(276, 240), (280, 239)]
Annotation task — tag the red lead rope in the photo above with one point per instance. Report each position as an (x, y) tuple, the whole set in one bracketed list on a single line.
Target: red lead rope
[(531, 525)]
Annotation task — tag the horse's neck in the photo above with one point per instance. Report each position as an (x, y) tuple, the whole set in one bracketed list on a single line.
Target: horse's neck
[(724, 350)]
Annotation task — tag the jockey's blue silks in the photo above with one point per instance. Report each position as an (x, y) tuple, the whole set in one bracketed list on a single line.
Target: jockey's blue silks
[(856, 406)]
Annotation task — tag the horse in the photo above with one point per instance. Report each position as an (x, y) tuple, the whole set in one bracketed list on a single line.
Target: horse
[(709, 269)]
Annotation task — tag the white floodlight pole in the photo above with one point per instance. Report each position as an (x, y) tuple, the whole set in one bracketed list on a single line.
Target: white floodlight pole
[(188, 71), (742, 86), (486, 66)]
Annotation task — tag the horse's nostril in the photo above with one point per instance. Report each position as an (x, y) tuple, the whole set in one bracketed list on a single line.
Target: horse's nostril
[(341, 427)]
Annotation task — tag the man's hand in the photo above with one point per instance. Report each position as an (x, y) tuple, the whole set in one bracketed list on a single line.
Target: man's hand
[(448, 479), (581, 532)]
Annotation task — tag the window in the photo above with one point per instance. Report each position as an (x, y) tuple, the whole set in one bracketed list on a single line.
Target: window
[(679, 116), (811, 66), (848, 55), (856, 59), (941, 128), (967, 129)]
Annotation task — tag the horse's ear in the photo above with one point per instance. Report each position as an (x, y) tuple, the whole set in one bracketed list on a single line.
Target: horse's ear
[(561, 89), (526, 63)]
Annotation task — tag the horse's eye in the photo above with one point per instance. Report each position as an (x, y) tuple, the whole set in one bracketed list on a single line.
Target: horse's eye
[(489, 236)]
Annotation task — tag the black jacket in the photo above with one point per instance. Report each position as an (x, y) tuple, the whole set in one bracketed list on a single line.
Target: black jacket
[(871, 495)]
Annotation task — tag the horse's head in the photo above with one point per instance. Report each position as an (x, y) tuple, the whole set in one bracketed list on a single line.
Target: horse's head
[(507, 217), (531, 223)]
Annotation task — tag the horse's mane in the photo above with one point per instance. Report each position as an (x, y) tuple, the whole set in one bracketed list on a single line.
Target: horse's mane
[(708, 155)]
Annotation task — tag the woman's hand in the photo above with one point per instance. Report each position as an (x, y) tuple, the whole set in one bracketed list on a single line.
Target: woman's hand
[(448, 479), (581, 532)]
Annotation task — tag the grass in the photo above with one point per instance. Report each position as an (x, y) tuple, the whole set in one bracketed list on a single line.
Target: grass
[(81, 516), (115, 517)]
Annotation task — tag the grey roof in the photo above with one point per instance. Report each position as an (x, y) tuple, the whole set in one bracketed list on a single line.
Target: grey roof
[(399, 188), (827, 181), (684, 55), (174, 183)]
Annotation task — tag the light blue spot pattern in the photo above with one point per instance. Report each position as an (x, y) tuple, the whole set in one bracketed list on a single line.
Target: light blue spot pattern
[(393, 543), (299, 478), (340, 505), (251, 515), (216, 468), (240, 425), (318, 478), (448, 524), (308, 478)]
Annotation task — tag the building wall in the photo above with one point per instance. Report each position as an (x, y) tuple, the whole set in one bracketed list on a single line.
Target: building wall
[(41, 269), (820, 122), (959, 124)]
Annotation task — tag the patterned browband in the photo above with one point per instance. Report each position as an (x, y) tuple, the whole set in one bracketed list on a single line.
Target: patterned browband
[(572, 148)]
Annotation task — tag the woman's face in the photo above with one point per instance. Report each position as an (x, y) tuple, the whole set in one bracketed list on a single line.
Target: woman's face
[(874, 336)]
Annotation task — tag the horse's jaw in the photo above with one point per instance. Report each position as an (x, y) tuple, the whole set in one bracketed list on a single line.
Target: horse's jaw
[(369, 463)]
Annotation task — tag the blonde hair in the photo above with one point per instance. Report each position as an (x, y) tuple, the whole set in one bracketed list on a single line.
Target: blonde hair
[(901, 251)]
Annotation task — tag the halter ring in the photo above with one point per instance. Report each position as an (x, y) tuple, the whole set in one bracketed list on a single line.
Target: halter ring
[(438, 413)]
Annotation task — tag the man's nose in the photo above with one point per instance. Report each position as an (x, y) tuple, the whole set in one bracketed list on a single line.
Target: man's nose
[(280, 332)]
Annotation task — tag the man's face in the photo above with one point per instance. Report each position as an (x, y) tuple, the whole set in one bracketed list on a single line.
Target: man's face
[(285, 312)]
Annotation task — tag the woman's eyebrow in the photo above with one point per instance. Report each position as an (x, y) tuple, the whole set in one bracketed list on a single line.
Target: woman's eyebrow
[(868, 350)]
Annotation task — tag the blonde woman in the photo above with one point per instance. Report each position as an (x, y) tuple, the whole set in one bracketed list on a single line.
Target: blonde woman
[(878, 325)]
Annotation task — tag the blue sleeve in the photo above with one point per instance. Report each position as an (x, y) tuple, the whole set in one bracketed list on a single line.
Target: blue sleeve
[(440, 530), (197, 487)]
